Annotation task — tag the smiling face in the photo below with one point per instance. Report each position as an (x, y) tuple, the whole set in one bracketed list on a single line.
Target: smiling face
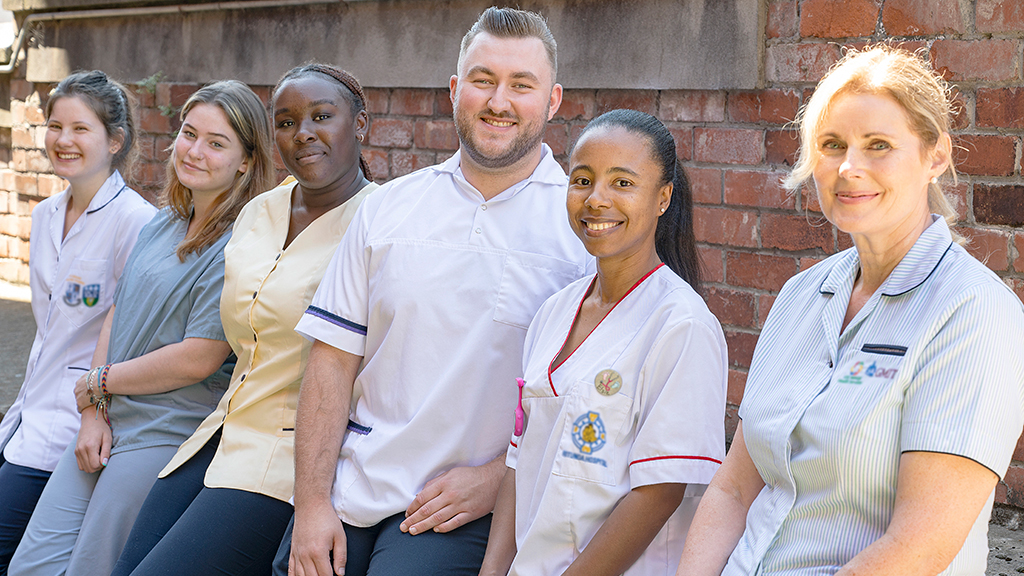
[(207, 152), (315, 131), (872, 171), (616, 193), (502, 98), (77, 144)]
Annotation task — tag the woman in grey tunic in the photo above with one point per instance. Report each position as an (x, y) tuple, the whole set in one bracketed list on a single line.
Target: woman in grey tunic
[(162, 362)]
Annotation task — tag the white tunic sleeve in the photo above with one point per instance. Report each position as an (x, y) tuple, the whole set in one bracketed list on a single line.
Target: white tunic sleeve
[(681, 407)]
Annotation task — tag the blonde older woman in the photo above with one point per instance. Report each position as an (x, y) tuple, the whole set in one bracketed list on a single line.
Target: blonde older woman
[(885, 395)]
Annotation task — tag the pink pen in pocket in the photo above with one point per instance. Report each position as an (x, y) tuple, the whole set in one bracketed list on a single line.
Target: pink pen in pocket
[(520, 414)]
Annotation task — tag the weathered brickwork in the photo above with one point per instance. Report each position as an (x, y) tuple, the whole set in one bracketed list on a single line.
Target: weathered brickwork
[(736, 146)]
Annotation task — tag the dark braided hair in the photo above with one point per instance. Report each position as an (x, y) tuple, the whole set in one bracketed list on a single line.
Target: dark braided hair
[(674, 239), (353, 93)]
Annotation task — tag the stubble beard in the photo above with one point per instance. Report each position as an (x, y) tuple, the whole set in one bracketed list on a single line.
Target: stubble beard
[(525, 142)]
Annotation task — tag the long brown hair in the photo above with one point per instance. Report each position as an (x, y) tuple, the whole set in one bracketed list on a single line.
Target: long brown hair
[(248, 119)]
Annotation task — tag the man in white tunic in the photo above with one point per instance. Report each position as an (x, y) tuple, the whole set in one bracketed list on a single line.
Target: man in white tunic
[(419, 324)]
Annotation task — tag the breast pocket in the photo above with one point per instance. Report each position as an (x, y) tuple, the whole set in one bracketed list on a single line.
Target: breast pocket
[(527, 280), (85, 292), (865, 385), (595, 436)]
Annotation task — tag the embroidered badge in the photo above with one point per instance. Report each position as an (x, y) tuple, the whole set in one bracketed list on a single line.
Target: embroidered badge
[(91, 294), (608, 382), (588, 433), (73, 294), (859, 371)]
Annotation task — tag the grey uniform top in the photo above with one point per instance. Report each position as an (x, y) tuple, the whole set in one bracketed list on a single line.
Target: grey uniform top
[(159, 301)]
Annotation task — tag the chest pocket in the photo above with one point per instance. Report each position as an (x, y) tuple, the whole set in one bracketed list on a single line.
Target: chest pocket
[(85, 292), (595, 437), (865, 384), (527, 280)]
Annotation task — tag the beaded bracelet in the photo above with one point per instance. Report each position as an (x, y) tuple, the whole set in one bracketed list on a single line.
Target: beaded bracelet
[(103, 404)]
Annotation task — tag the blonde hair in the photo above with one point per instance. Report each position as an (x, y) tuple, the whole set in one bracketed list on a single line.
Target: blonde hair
[(248, 118), (907, 78)]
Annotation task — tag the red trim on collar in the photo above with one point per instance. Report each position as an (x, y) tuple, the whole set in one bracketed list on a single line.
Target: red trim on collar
[(551, 366)]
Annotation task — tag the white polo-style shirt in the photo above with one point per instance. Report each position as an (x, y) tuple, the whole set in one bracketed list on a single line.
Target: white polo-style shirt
[(933, 362), (435, 287), (72, 281), (641, 401)]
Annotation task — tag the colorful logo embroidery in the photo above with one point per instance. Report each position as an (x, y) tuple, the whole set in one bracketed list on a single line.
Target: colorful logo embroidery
[(91, 294), (588, 433), (858, 373), (73, 294)]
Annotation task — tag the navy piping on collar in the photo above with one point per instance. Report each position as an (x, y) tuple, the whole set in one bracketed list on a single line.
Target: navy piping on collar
[(108, 201), (821, 288)]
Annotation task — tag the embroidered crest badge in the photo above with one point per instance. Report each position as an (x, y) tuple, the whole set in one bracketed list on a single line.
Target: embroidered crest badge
[(588, 433), (73, 294), (91, 294)]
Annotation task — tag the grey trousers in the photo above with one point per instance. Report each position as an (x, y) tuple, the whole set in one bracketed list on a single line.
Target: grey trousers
[(82, 520)]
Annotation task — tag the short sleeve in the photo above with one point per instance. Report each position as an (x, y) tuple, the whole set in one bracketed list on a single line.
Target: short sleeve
[(681, 428), (204, 317), (967, 396), (338, 312)]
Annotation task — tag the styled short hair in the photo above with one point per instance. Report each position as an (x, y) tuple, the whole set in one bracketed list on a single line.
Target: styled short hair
[(112, 104), (883, 70), (248, 118), (513, 23)]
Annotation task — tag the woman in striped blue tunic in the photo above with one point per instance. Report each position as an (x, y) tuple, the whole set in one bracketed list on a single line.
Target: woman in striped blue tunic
[(885, 395)]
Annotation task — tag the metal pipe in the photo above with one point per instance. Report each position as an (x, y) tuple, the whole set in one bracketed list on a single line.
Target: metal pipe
[(142, 11)]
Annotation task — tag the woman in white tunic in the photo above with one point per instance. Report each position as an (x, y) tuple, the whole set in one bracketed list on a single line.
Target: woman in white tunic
[(885, 395), (623, 409), (81, 239)]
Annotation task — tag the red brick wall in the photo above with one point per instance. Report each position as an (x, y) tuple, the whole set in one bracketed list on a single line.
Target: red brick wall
[(735, 144)]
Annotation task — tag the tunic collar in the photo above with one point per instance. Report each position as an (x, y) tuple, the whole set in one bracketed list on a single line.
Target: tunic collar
[(548, 171)]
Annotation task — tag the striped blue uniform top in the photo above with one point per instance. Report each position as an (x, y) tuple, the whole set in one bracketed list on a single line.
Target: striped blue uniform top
[(934, 361)]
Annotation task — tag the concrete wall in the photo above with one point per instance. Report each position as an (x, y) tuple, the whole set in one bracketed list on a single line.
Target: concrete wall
[(735, 139)]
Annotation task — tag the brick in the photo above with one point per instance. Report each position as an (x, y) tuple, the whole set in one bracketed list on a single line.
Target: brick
[(741, 347), (991, 247), (728, 145), (25, 184), (39, 135), (985, 154), (1014, 481), (782, 19), (1000, 107), (711, 260), (1018, 450), (264, 93), (794, 232), (692, 106), (48, 185), (732, 421), (731, 227), (18, 160), (391, 133), (831, 19), (173, 95), (23, 250), (705, 184), (557, 137), (162, 147), (771, 106), (153, 121), (978, 60), (577, 105), (809, 199), (143, 98), (21, 137), (34, 114), (443, 103), (404, 162), (376, 100), (757, 188), (147, 149), (412, 101), (1017, 285), (843, 240), (959, 110), (9, 225), (997, 16), (24, 227), (761, 271), (957, 196), (781, 147), (3, 202), (17, 112), (7, 180), (642, 100), (799, 62), (1018, 242), (731, 307), (764, 306), (21, 89), (151, 174), (379, 165), (1001, 205), (684, 142), (36, 161), (436, 134), (737, 381), (922, 17)]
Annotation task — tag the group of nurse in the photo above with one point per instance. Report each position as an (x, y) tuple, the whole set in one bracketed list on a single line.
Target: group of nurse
[(883, 403)]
